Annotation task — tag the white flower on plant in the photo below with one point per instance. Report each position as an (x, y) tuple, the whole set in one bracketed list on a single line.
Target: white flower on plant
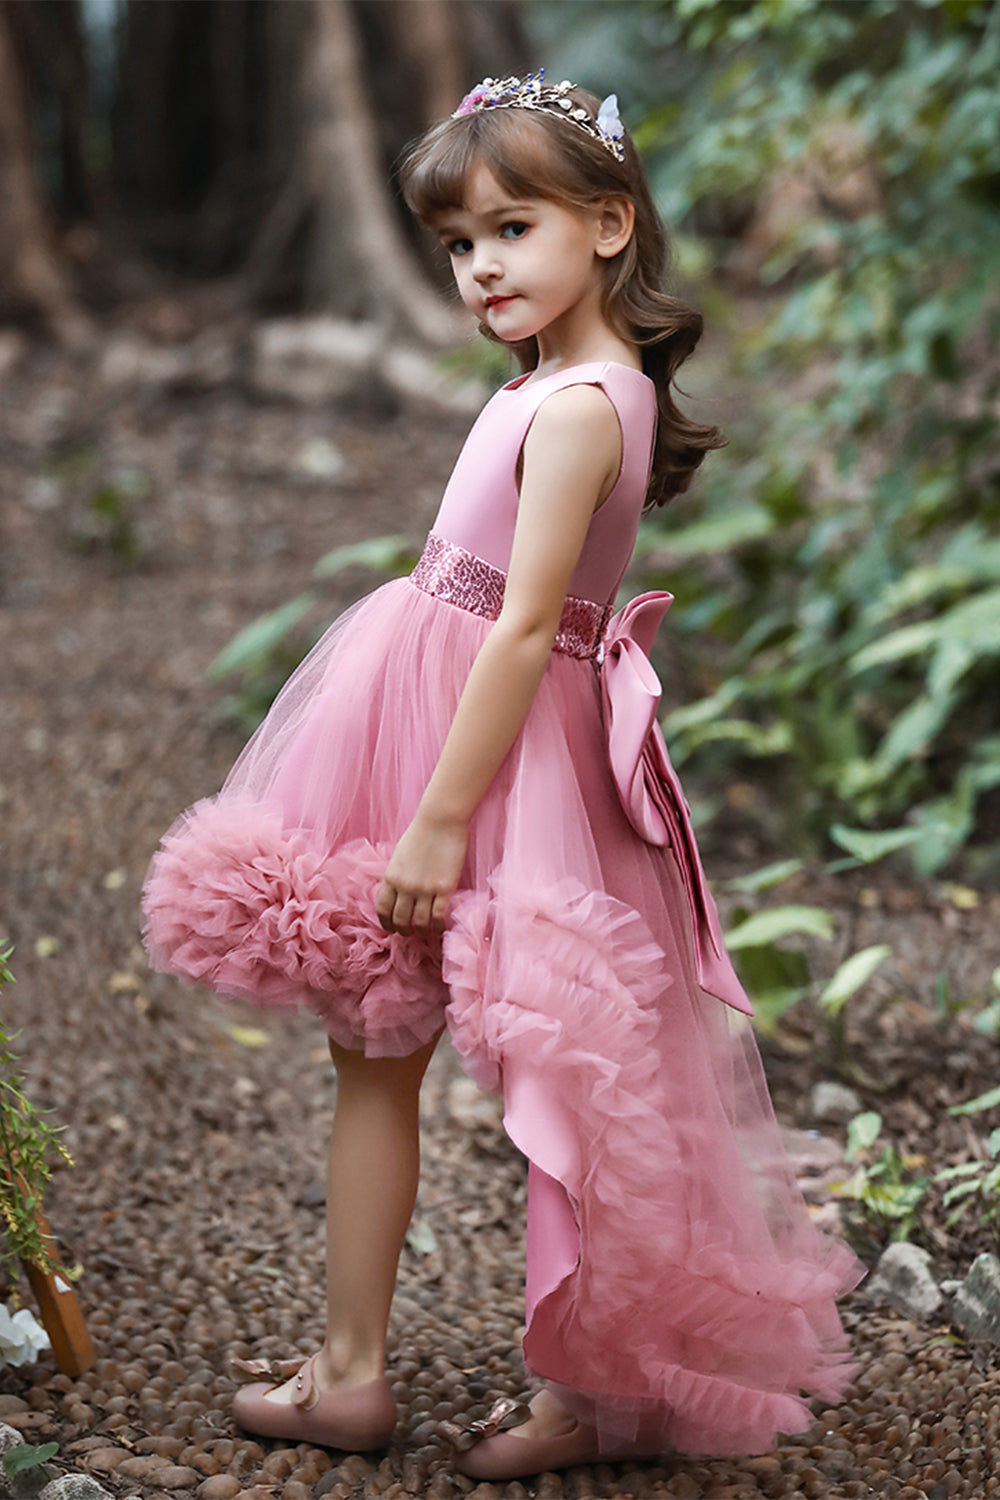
[(22, 1337)]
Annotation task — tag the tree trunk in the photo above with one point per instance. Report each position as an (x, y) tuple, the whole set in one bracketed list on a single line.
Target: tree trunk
[(30, 273), (360, 264), (428, 35)]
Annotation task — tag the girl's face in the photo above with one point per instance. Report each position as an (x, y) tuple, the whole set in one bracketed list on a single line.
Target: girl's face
[(525, 266)]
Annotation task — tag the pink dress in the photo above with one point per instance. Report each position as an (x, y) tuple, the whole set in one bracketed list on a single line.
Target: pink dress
[(677, 1291)]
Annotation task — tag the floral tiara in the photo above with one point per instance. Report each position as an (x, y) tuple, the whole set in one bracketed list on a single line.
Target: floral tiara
[(554, 98)]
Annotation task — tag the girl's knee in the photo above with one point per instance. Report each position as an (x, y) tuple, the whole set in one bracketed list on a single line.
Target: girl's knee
[(390, 1072)]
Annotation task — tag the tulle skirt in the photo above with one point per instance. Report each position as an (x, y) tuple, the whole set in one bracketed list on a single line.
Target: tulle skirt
[(677, 1291)]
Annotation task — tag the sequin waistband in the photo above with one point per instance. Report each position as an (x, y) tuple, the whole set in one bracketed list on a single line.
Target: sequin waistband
[(461, 578)]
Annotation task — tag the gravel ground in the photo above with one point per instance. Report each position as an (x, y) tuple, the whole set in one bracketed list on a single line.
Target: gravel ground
[(195, 1208)]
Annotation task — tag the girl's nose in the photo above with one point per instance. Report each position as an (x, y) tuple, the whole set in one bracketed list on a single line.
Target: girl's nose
[(484, 264)]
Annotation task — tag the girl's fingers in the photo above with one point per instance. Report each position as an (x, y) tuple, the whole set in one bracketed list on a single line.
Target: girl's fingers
[(399, 911), (384, 904), (402, 913), (420, 919)]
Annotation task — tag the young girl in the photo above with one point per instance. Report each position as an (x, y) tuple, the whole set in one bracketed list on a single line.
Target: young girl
[(460, 812)]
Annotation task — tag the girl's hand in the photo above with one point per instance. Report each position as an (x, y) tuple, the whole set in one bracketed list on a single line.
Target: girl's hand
[(422, 875)]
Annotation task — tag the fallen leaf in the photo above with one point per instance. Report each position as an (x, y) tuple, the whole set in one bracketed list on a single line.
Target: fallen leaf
[(123, 983), (249, 1036)]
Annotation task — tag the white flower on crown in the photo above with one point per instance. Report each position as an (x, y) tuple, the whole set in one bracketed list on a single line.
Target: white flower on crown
[(609, 121)]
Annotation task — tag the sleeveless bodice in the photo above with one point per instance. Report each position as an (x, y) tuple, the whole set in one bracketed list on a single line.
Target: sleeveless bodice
[(478, 511)]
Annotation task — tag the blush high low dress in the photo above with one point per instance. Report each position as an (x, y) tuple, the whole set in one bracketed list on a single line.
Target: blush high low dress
[(677, 1292)]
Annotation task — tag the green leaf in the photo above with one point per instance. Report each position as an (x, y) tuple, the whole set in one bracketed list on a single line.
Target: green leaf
[(766, 877), (383, 554), (778, 922), (982, 1102), (959, 1191), (258, 639), (775, 979), (869, 846), (25, 1456), (719, 533), (964, 1169), (862, 1132), (851, 975), (972, 623)]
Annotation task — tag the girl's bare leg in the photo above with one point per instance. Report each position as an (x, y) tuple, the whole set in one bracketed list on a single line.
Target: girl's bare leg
[(372, 1176)]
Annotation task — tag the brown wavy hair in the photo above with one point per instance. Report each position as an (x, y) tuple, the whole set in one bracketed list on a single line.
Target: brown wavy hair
[(536, 154)]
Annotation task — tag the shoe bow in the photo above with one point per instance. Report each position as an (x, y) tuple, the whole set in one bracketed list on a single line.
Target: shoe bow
[(504, 1414)]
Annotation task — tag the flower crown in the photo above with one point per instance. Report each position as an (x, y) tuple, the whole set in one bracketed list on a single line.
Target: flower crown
[(534, 93)]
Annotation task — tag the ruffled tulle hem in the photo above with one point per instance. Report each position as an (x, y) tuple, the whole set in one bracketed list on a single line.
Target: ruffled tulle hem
[(263, 915), (673, 1318)]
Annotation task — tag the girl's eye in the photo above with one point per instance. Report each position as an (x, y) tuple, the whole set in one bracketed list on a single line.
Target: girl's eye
[(514, 230), (458, 247)]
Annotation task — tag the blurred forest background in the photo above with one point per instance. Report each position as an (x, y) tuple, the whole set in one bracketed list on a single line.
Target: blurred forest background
[(174, 172)]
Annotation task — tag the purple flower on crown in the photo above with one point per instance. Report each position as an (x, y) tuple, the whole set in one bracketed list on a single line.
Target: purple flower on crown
[(472, 99)]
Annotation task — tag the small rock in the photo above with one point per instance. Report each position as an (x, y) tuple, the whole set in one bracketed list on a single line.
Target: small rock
[(105, 1460), (296, 1490), (976, 1304), (146, 1469), (833, 1103), (470, 1107), (176, 1477), (219, 1487), (319, 459), (903, 1277), (74, 1487), (683, 1487)]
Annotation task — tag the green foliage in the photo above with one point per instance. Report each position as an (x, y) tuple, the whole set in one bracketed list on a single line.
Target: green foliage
[(989, 1100), (106, 519), (264, 653), (27, 1145), (841, 587), (976, 1180), (776, 976), (988, 1019), (972, 1180), (853, 973), (883, 1187), (27, 1456)]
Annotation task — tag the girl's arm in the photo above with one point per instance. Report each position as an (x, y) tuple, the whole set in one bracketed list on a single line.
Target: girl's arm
[(572, 455)]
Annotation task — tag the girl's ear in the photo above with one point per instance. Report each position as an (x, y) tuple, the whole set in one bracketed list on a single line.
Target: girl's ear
[(615, 222)]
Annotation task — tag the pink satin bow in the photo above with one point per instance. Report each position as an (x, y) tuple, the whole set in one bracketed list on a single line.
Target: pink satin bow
[(647, 783)]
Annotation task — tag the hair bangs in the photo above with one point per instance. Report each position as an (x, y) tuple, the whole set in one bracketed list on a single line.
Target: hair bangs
[(517, 149)]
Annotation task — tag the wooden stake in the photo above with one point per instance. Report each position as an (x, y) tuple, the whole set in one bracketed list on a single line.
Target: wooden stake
[(62, 1317)]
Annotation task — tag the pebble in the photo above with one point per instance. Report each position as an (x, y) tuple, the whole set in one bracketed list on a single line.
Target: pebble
[(105, 1460), (219, 1487), (903, 1277)]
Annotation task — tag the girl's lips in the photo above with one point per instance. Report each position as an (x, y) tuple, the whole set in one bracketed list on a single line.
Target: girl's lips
[(494, 302)]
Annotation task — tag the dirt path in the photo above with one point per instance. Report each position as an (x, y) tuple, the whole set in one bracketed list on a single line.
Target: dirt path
[(195, 1209)]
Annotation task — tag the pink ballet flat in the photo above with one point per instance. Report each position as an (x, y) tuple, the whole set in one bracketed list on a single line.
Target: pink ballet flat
[(354, 1420), (487, 1450)]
